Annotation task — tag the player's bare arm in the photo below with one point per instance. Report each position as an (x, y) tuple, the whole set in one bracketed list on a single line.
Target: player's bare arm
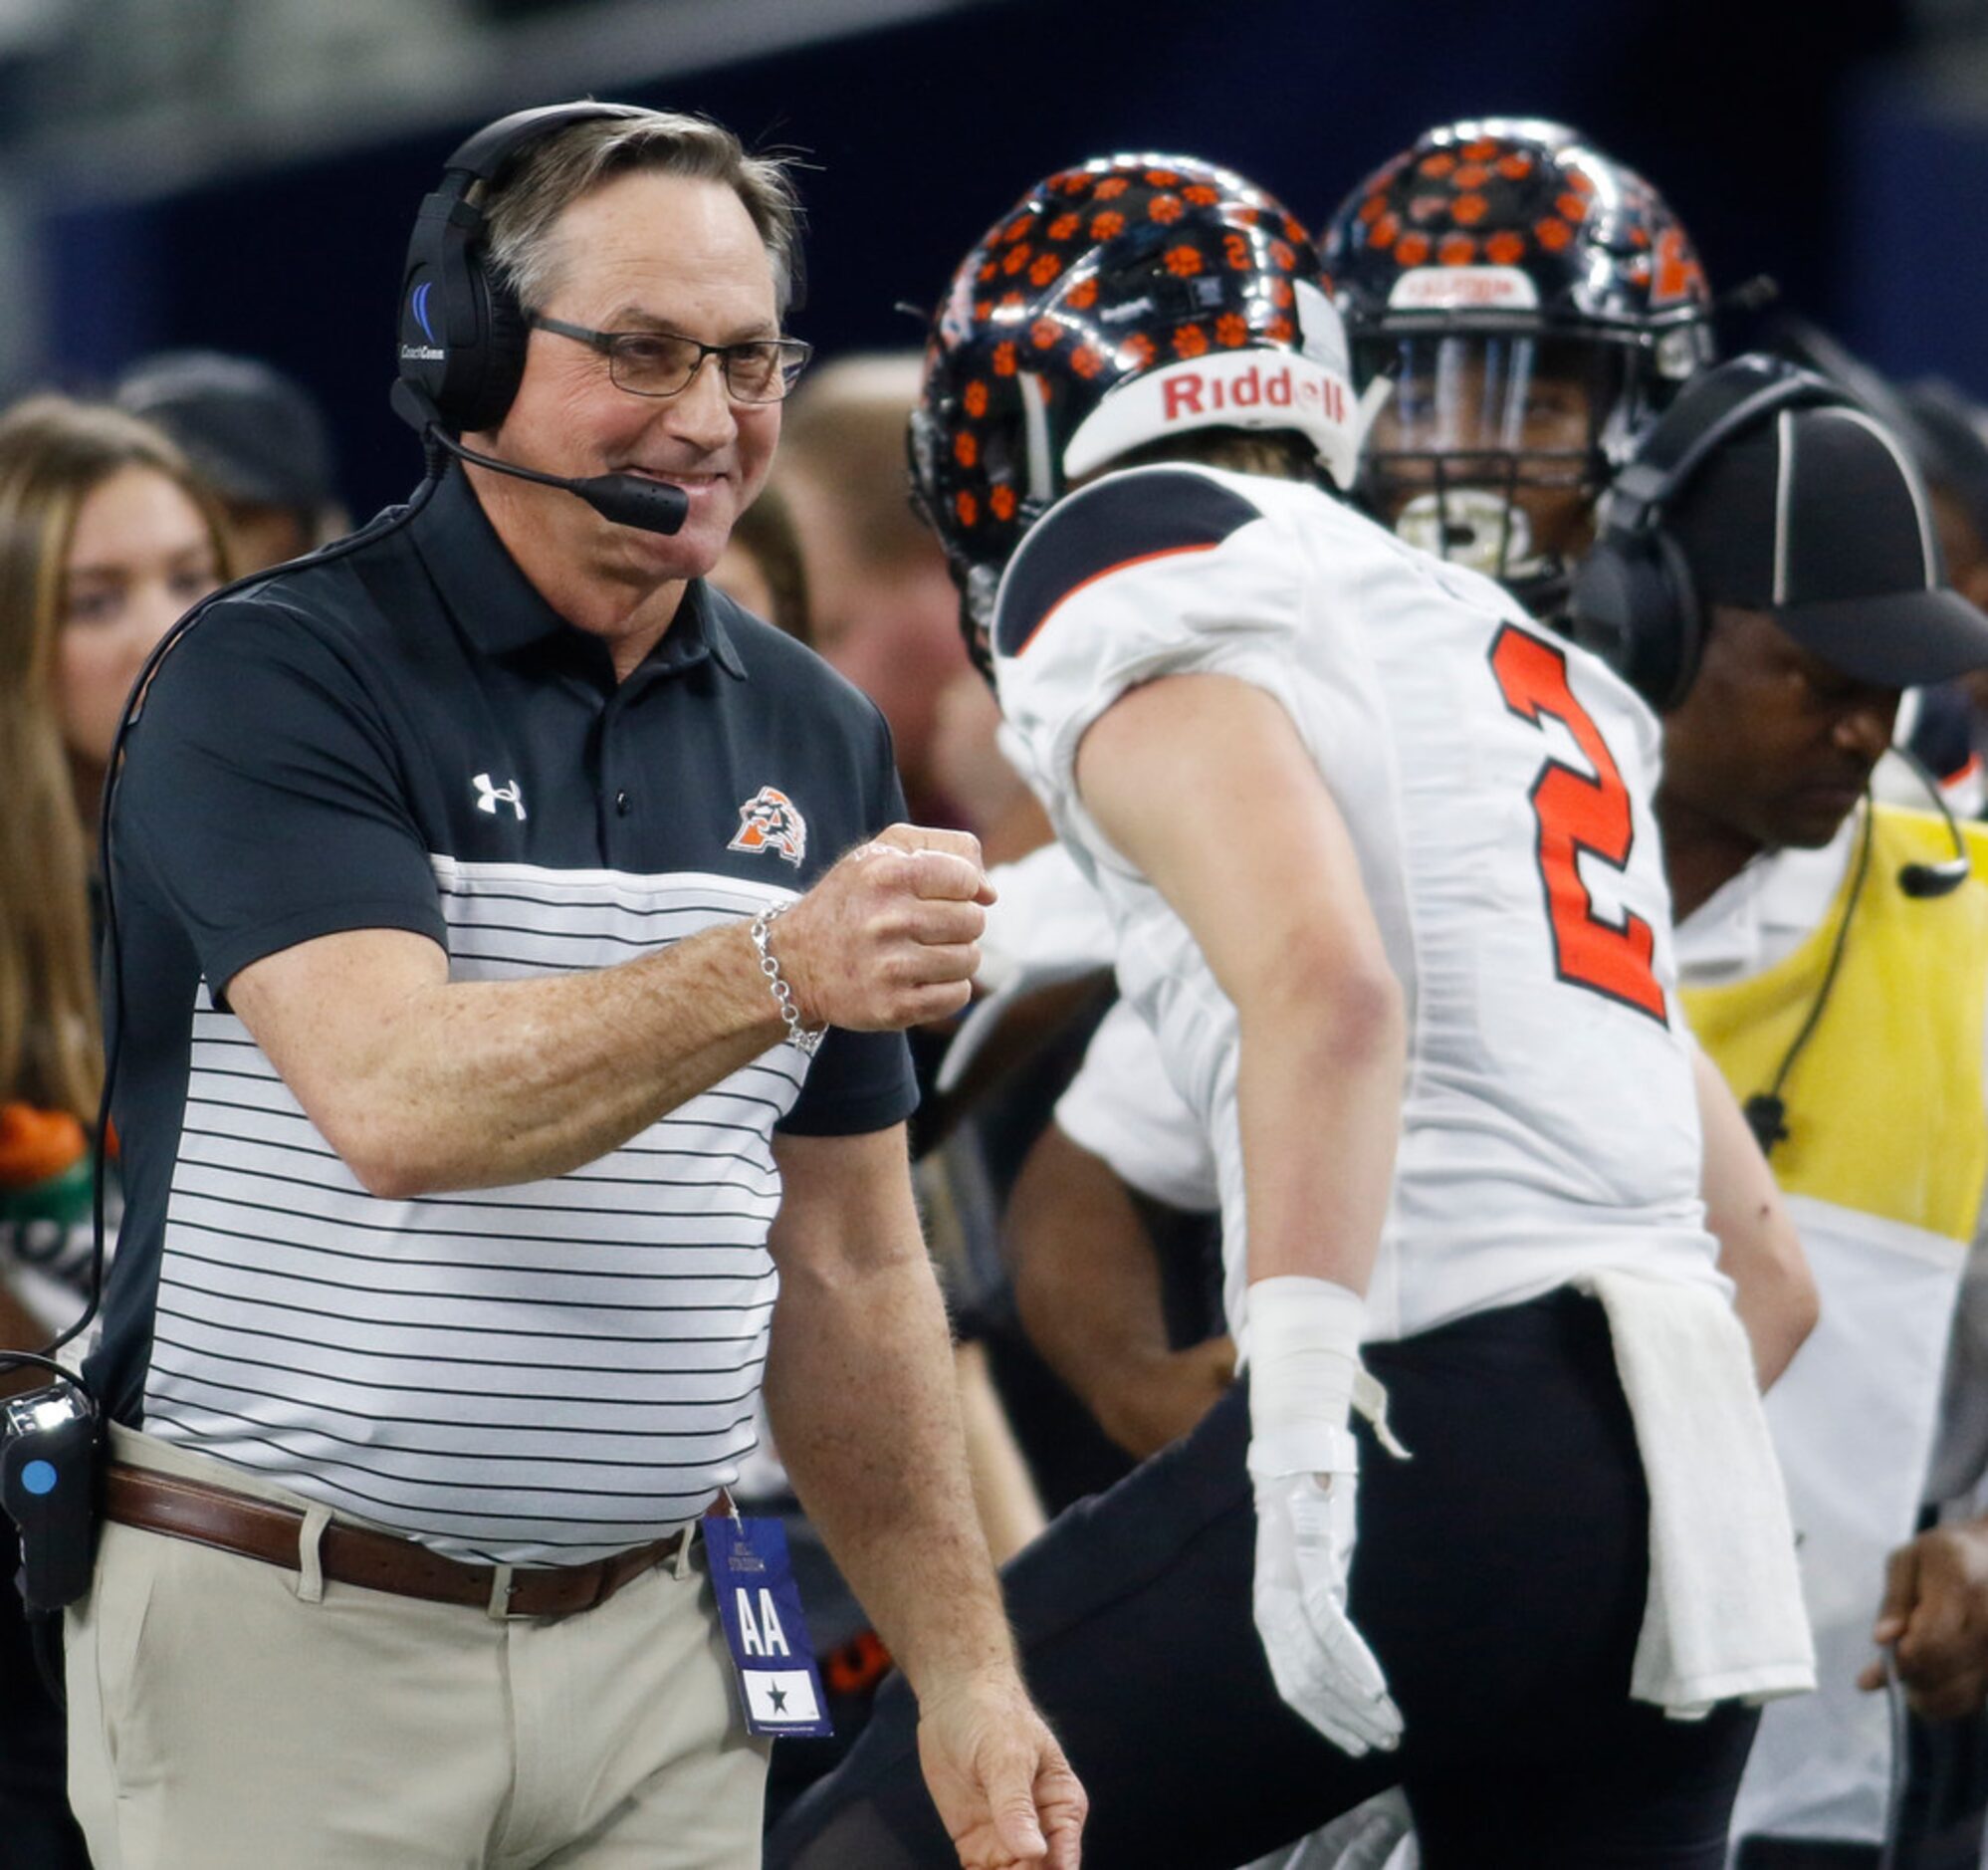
[(859, 1339), (1087, 1285), (422, 1083), (1202, 783), (1759, 1249)]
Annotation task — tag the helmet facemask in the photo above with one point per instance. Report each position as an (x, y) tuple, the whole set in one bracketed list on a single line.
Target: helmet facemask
[(1494, 445), (1535, 304)]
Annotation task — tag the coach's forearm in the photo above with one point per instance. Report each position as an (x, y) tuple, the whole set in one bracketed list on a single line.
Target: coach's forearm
[(859, 1389), (497, 1083), (426, 1085), (422, 1083)]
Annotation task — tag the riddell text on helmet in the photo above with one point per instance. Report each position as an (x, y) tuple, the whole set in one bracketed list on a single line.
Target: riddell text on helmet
[(1198, 392)]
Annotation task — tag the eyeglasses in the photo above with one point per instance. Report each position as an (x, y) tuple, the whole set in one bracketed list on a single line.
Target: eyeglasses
[(662, 363)]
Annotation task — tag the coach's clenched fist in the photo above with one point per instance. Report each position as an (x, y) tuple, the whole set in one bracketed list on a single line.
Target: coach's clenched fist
[(890, 937)]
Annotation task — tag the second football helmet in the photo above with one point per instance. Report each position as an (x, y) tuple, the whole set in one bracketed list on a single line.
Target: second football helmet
[(1536, 304), (1135, 297)]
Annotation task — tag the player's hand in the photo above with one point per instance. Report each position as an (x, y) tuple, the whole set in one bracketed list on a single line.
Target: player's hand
[(1001, 1782), (889, 938), (1147, 1404), (1320, 1663), (1935, 1612)]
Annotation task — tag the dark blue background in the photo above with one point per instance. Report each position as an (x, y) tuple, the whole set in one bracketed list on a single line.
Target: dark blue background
[(1783, 140)]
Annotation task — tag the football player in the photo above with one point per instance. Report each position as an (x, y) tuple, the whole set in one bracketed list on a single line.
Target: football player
[(1534, 303), (1377, 853)]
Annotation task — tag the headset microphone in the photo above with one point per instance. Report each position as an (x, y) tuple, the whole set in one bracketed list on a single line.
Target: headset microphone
[(625, 499), (1934, 880), (1766, 1112), (1922, 880)]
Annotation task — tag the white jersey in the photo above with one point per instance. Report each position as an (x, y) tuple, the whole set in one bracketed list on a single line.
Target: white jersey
[(1124, 1109), (1496, 783)]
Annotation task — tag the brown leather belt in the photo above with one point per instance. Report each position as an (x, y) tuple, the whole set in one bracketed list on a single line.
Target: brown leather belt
[(353, 1554)]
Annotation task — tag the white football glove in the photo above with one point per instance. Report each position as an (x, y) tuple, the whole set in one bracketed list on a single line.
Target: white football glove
[(1305, 1379), (1320, 1663)]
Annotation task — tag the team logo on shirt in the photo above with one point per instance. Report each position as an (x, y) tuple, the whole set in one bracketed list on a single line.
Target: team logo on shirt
[(488, 796), (769, 820)]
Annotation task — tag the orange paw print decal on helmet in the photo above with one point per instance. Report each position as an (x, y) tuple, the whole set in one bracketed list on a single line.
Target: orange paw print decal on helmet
[(1101, 275)]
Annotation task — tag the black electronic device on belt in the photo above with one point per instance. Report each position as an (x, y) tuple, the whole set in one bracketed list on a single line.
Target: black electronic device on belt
[(49, 1444)]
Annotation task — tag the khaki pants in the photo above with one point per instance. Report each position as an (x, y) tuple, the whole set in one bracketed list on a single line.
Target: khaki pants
[(225, 1713)]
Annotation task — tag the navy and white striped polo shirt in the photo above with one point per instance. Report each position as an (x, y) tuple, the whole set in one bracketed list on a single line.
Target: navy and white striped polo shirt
[(405, 735)]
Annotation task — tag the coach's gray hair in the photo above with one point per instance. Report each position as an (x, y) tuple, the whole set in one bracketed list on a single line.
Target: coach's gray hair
[(524, 206)]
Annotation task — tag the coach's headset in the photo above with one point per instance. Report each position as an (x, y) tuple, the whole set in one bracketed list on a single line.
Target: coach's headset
[(1634, 602), (463, 336), (463, 331)]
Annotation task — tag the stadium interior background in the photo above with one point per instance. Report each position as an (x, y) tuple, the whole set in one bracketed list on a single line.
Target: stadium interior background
[(242, 173)]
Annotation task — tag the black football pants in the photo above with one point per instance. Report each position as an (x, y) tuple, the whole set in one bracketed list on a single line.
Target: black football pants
[(1499, 1576)]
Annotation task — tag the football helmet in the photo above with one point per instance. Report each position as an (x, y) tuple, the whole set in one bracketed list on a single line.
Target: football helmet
[(1134, 299), (1536, 304)]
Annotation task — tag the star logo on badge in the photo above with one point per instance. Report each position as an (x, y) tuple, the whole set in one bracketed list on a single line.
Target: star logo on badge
[(779, 1699)]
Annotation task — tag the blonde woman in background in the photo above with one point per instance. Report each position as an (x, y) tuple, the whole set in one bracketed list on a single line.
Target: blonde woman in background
[(105, 537)]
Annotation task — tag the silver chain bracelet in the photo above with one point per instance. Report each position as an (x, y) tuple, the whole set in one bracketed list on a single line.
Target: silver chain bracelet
[(800, 1037)]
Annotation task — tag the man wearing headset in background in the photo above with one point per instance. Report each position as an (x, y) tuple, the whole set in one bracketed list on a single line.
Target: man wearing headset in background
[(1767, 577), (465, 1156)]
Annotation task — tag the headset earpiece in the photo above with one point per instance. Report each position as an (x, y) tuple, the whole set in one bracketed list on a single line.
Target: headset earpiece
[(462, 330), (503, 361), (1634, 604)]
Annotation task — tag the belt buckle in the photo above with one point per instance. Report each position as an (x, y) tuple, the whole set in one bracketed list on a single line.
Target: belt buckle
[(503, 1588)]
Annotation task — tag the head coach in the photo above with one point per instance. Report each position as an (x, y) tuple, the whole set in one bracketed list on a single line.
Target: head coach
[(507, 1075)]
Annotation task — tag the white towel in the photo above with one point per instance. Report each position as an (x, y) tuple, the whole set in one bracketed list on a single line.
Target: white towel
[(1724, 1617)]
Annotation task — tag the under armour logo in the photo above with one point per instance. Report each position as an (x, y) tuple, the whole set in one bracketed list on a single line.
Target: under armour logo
[(489, 797)]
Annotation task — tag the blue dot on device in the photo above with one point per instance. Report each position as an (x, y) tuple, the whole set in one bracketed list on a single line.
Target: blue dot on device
[(38, 1476)]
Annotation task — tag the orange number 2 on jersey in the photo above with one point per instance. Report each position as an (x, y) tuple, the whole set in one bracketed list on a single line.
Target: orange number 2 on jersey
[(1578, 814)]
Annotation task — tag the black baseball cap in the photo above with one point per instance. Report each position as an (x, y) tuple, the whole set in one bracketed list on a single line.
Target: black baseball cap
[(256, 435), (1818, 517)]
